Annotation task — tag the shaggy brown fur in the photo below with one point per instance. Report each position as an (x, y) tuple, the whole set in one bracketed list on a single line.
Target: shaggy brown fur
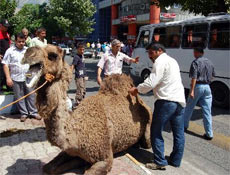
[(103, 124)]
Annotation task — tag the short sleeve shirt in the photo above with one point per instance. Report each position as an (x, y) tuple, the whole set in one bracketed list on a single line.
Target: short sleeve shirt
[(79, 66), (37, 42), (12, 59), (202, 70), (113, 64)]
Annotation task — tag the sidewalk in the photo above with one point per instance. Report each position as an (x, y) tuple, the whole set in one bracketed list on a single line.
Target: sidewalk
[(24, 149)]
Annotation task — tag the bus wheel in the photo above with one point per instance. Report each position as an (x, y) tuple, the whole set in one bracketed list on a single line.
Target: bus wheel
[(145, 74), (220, 93)]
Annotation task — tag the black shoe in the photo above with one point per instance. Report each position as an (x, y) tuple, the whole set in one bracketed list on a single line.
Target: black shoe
[(154, 166), (185, 130), (23, 118), (207, 138)]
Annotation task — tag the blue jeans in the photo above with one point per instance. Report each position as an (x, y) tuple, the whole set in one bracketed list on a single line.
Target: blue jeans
[(173, 112), (203, 95)]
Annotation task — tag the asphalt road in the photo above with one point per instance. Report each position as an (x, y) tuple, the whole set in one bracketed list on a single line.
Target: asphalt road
[(200, 156)]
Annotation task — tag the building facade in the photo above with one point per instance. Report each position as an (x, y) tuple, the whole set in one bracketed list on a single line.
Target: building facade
[(122, 18)]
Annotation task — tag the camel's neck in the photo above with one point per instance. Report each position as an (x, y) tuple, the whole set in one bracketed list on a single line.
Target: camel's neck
[(54, 111)]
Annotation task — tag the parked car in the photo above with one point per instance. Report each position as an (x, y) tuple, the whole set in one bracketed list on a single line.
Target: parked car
[(88, 53), (65, 48)]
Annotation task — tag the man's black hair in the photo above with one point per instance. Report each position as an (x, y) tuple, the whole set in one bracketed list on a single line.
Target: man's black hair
[(41, 29), (19, 35), (79, 45), (156, 46), (199, 49)]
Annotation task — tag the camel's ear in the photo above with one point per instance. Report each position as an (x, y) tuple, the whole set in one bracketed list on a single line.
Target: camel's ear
[(52, 56)]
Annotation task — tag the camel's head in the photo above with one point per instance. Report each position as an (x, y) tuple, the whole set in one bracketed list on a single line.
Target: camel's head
[(117, 84), (42, 61)]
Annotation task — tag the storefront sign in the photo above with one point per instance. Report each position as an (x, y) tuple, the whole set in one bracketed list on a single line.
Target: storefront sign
[(168, 15), (129, 18)]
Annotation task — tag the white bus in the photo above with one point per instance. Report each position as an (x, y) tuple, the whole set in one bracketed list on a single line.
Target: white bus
[(179, 38)]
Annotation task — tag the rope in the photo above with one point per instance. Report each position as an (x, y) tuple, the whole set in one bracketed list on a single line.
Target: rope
[(48, 78)]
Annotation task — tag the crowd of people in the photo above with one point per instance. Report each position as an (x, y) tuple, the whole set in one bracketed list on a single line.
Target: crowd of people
[(12, 72), (164, 80)]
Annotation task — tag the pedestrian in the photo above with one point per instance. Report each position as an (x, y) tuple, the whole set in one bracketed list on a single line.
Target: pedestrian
[(15, 77), (4, 45), (80, 73), (112, 61), (40, 39), (201, 72), (165, 81), (26, 34)]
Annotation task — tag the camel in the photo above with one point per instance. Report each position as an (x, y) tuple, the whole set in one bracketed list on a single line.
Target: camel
[(103, 124)]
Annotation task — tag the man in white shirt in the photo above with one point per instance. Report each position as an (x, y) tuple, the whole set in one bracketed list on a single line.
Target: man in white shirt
[(112, 61), (40, 39), (15, 77), (165, 80)]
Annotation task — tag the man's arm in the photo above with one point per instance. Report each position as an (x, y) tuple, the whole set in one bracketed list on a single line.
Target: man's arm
[(99, 80), (193, 84), (9, 81)]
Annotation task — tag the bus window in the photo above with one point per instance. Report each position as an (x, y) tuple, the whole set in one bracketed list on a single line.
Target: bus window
[(194, 36), (159, 35), (173, 34), (168, 36), (219, 36), (143, 39)]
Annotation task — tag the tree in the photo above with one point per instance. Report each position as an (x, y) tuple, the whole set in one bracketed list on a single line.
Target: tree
[(200, 6), (28, 17), (73, 16), (7, 9)]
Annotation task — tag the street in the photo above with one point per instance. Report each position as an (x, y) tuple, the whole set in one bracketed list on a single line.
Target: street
[(200, 156), (24, 148)]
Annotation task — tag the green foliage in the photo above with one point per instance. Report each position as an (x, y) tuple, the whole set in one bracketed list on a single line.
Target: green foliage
[(7, 9), (73, 16), (27, 17), (200, 6)]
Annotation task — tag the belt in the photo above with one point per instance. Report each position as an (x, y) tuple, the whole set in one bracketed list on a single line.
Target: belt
[(200, 82)]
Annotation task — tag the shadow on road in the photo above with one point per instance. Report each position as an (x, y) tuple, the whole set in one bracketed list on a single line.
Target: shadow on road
[(19, 136)]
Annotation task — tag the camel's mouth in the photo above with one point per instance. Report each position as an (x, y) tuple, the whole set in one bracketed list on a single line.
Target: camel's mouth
[(33, 75)]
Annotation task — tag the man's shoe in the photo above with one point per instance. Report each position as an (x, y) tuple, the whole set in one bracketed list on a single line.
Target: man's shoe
[(154, 166), (23, 118), (207, 138), (186, 130), (37, 117)]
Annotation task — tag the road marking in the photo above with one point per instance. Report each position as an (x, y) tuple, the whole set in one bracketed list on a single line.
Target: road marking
[(219, 140), (194, 169)]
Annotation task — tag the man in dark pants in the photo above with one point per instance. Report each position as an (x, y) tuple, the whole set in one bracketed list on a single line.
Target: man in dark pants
[(4, 45), (15, 77), (201, 72), (165, 80)]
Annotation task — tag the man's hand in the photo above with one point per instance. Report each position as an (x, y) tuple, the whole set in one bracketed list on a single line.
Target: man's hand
[(136, 60), (9, 82), (191, 94), (133, 91), (99, 80)]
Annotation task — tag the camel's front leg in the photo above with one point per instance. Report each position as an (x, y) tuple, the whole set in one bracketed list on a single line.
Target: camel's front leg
[(63, 162), (102, 167)]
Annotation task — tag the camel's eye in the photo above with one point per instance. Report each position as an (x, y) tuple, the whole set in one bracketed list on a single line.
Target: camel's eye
[(52, 56)]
